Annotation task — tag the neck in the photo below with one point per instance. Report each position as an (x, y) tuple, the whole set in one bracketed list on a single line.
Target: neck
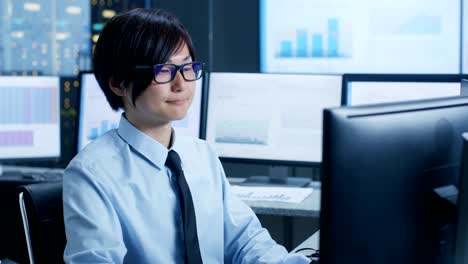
[(161, 132)]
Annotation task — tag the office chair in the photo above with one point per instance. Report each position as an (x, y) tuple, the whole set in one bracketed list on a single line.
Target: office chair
[(11, 227), (42, 215)]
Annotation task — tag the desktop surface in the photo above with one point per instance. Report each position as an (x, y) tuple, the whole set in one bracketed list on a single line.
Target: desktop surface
[(309, 207)]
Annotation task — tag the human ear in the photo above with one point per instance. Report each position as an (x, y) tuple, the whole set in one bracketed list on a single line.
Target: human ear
[(117, 87)]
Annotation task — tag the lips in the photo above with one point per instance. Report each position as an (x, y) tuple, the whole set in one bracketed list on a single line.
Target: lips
[(177, 101)]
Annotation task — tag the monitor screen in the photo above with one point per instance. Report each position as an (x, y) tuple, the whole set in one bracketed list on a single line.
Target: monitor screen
[(345, 36), (389, 172), (46, 37), (96, 117), (465, 38), (274, 117), (29, 117), (373, 89)]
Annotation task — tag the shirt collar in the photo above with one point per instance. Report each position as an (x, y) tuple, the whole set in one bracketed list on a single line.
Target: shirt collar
[(151, 149)]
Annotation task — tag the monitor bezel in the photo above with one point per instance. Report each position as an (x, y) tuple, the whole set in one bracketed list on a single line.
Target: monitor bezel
[(78, 110), (369, 77)]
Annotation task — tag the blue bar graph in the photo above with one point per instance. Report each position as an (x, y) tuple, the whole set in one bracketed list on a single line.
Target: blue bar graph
[(332, 37), (94, 133), (27, 106), (286, 49), (317, 45), (301, 49), (105, 126)]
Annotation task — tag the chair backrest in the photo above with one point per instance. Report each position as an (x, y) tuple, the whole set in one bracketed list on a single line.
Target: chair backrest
[(12, 244), (42, 215)]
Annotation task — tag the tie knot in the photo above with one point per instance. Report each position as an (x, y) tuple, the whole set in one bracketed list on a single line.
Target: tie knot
[(173, 161)]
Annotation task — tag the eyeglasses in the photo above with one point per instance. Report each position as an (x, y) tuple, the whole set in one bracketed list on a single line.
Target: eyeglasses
[(165, 73)]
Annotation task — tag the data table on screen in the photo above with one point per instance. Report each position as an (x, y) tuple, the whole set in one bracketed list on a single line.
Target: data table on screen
[(29, 117)]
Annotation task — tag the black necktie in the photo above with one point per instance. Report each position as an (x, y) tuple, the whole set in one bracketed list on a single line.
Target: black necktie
[(192, 249)]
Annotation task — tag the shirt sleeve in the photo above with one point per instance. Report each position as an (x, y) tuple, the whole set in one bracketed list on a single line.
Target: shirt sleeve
[(245, 240), (93, 230)]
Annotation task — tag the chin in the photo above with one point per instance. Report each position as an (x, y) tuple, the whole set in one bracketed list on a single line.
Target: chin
[(178, 116)]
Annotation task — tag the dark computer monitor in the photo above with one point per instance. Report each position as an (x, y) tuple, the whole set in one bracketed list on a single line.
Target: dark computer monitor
[(273, 119), (29, 118), (360, 89), (389, 172), (461, 253), (96, 117)]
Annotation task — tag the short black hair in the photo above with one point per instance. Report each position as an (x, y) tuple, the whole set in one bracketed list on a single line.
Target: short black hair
[(137, 37)]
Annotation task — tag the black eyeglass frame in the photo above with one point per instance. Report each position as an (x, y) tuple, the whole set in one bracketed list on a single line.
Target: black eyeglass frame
[(178, 68)]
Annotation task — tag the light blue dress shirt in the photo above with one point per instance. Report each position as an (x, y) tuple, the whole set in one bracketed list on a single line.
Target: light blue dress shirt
[(121, 205)]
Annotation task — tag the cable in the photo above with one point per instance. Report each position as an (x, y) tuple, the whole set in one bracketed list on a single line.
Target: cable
[(314, 256)]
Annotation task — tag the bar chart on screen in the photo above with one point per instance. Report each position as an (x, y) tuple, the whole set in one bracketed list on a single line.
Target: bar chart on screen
[(96, 115), (16, 138), (105, 126), (22, 107), (345, 36), (29, 116), (26, 105), (327, 40)]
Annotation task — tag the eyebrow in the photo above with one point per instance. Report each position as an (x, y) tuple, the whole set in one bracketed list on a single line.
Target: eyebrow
[(185, 59)]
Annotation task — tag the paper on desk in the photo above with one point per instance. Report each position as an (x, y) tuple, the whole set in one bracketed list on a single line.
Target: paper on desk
[(271, 194)]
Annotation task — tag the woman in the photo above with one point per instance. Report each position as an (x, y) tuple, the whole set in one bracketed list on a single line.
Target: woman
[(140, 193)]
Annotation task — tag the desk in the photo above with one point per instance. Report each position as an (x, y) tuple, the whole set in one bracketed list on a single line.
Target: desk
[(312, 242), (310, 207), (27, 169)]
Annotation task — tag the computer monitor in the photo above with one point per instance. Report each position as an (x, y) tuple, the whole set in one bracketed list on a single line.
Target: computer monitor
[(344, 36), (29, 118), (96, 117), (464, 34), (359, 89), (269, 118), (461, 254), (383, 169)]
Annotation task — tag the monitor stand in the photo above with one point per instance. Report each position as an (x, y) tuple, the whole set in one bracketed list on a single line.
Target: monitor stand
[(278, 177)]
